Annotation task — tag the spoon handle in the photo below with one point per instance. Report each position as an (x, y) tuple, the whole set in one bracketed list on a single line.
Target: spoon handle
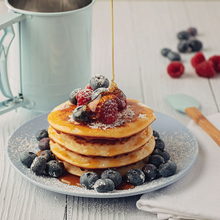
[(201, 120)]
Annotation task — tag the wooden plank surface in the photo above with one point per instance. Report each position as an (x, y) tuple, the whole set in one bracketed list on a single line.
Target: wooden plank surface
[(142, 29)]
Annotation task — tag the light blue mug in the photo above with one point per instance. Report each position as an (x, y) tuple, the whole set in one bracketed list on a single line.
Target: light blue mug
[(50, 52)]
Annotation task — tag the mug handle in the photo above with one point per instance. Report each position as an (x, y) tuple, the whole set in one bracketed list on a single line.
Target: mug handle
[(6, 24)]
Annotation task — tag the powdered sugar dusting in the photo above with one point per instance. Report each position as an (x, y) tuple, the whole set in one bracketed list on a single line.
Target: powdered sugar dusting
[(142, 116), (61, 107)]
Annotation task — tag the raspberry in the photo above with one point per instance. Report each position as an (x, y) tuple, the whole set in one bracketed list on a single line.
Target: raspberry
[(122, 101), (88, 87), (198, 58), (175, 69), (216, 62), (205, 69), (109, 111), (83, 96)]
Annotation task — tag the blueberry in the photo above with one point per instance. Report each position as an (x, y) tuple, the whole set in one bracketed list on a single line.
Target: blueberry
[(99, 81), (159, 144), (43, 144), (165, 51), (167, 169), (183, 46), (41, 134), (72, 96), (155, 160), (55, 168), (135, 176), (192, 31), (195, 45), (156, 134), (48, 155), (27, 158), (114, 175), (39, 165), (162, 153), (104, 185), (98, 91), (88, 179), (172, 56), (79, 114), (150, 172), (183, 35)]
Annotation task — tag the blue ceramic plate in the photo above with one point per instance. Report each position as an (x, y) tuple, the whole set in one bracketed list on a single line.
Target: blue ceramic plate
[(179, 142)]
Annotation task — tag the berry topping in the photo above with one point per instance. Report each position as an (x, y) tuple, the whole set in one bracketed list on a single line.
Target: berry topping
[(122, 101), (42, 134), (72, 96), (135, 176), (167, 169), (175, 69), (104, 185), (172, 56), (216, 62), (192, 31), (88, 87), (47, 155), (183, 46), (98, 91), (99, 81), (150, 172), (183, 35), (159, 144), (195, 45), (155, 160), (54, 168), (156, 134), (205, 69), (113, 175), (88, 179), (44, 144), (165, 51), (39, 165), (79, 114), (27, 158), (109, 111), (83, 96), (198, 58)]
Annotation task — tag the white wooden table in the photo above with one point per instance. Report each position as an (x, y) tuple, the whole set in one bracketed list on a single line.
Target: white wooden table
[(142, 29)]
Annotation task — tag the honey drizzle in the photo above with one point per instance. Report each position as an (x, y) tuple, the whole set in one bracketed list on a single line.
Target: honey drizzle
[(113, 64)]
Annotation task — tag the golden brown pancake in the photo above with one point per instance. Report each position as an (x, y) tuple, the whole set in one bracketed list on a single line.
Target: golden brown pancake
[(101, 147), (135, 118), (78, 171), (102, 162)]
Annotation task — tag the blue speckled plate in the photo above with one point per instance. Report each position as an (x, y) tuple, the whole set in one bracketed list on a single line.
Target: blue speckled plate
[(179, 142)]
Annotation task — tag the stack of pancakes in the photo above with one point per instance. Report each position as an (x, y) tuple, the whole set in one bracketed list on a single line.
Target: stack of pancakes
[(83, 147)]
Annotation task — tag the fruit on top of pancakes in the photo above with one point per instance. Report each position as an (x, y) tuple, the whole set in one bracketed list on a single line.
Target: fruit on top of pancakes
[(98, 101)]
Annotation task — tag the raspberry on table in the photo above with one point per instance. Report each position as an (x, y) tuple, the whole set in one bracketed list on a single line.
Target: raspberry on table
[(83, 96), (198, 58), (205, 69), (175, 69), (216, 62), (109, 111)]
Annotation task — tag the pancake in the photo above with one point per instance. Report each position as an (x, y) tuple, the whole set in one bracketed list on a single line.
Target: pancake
[(101, 147), (78, 171), (102, 162), (135, 118)]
